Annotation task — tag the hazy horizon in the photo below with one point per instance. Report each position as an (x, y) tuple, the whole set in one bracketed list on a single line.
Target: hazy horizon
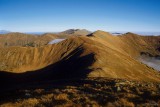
[(113, 32)]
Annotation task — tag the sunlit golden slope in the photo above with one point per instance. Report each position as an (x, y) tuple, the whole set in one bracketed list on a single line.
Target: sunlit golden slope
[(20, 59), (112, 56), (26, 40), (16, 39), (123, 53), (129, 43)]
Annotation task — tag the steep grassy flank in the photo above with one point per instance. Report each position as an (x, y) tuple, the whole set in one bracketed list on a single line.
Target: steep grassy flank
[(107, 60)]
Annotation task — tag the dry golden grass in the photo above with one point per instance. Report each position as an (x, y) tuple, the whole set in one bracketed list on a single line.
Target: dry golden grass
[(114, 57), (99, 92), (120, 103), (26, 40), (31, 102)]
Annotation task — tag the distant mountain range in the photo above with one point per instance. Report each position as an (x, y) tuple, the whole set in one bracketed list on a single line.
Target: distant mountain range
[(84, 32), (4, 31)]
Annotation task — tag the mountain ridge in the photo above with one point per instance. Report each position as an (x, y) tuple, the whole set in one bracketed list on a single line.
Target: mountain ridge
[(107, 60)]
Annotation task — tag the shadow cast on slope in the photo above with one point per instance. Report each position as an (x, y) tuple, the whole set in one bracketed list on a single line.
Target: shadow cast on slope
[(72, 66)]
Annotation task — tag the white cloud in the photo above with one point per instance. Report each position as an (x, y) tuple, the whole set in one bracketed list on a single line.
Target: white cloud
[(152, 62), (56, 41)]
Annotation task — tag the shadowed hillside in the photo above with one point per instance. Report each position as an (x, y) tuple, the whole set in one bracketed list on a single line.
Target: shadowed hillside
[(71, 66), (98, 69), (114, 57)]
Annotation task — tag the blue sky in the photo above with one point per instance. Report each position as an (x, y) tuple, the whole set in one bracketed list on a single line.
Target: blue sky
[(58, 15)]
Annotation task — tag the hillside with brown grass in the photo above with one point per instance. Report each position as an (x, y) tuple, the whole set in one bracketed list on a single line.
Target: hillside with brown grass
[(26, 40), (112, 56), (16, 39), (96, 92), (71, 71)]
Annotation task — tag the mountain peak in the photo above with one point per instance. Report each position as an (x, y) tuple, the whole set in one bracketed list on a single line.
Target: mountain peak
[(76, 32), (100, 32), (130, 33)]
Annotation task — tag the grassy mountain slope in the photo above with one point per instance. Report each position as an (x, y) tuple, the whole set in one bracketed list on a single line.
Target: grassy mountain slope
[(102, 54)]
